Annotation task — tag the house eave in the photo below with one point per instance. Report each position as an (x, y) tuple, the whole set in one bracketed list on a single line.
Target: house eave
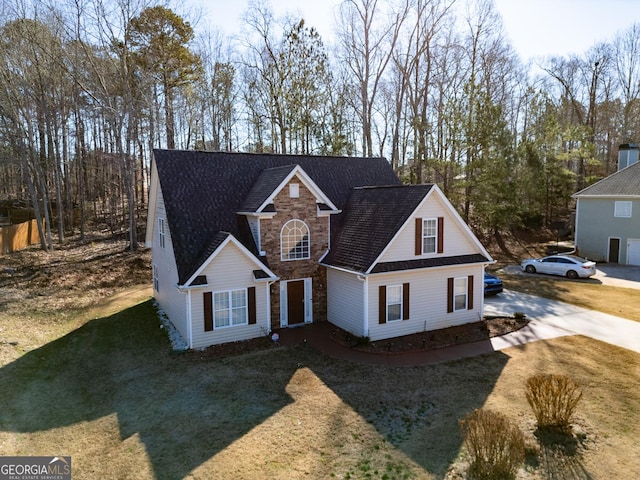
[(267, 215), (605, 197), (243, 249)]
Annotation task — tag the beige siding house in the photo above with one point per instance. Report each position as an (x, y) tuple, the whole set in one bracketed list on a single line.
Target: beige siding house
[(244, 244)]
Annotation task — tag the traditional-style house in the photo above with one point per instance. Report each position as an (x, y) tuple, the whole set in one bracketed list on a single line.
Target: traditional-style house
[(247, 243), (608, 214)]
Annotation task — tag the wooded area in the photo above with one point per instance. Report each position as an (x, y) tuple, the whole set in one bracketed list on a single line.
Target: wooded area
[(89, 87)]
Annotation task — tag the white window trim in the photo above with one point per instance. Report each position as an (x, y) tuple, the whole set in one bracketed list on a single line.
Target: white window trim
[(466, 293), (307, 254), (425, 236), (161, 233), (622, 209), (395, 303), (230, 309), (294, 190)]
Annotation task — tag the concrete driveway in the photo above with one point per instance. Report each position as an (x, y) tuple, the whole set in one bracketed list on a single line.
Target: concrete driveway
[(627, 276), (551, 319)]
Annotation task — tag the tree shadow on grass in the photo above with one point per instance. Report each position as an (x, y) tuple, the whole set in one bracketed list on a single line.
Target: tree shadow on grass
[(184, 412), (417, 409), (187, 408)]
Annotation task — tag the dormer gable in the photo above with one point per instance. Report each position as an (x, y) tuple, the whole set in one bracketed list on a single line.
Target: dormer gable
[(272, 181), (383, 226)]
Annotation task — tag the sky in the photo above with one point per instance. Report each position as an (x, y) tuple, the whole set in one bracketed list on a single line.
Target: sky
[(536, 28)]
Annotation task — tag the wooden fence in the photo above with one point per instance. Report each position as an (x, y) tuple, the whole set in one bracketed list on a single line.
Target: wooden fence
[(16, 237)]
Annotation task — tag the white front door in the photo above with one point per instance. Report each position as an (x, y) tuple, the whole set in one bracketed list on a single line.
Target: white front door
[(633, 251), (295, 302)]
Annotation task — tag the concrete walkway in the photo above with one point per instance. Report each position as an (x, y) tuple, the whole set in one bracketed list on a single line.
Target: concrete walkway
[(548, 319)]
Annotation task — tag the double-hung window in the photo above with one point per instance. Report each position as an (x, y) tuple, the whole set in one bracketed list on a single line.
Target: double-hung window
[(161, 234), (460, 290), (429, 235), (394, 303), (230, 308)]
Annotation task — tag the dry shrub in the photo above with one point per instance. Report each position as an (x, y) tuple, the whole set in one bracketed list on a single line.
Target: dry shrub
[(495, 444), (553, 399)]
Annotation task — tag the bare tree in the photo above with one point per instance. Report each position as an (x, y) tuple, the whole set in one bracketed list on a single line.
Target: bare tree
[(366, 49)]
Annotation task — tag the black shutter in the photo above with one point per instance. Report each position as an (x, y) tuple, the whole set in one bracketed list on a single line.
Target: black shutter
[(449, 295), (405, 301), (208, 311), (470, 292), (440, 234), (382, 304), (418, 236), (251, 301)]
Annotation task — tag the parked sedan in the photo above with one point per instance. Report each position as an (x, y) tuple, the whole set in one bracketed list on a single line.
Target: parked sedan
[(492, 284), (565, 265)]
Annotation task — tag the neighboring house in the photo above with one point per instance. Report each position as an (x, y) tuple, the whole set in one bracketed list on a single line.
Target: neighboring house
[(247, 243), (608, 214)]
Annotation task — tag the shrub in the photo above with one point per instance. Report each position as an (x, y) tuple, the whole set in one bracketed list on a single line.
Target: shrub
[(494, 443), (553, 399)]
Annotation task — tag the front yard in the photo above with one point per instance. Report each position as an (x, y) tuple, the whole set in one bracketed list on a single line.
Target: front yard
[(87, 371)]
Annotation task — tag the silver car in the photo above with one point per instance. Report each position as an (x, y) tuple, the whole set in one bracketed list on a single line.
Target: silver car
[(565, 265)]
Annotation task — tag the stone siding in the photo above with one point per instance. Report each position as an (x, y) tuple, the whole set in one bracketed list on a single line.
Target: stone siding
[(302, 208)]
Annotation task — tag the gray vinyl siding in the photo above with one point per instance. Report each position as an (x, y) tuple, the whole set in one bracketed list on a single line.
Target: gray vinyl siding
[(229, 270), (427, 301), (345, 306), (172, 302), (596, 223)]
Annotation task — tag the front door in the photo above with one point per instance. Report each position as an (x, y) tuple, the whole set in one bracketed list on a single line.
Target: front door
[(295, 302), (614, 250)]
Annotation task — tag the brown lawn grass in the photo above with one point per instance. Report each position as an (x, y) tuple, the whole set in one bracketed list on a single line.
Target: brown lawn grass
[(93, 377)]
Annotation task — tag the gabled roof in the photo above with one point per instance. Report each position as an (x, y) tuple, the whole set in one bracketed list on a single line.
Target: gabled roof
[(202, 192), (270, 183), (264, 186), (624, 183), (372, 218), (222, 239)]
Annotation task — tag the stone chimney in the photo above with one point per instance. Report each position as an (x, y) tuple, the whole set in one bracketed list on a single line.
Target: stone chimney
[(627, 155)]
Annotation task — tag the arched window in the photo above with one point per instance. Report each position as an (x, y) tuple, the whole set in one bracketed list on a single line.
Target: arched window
[(294, 240)]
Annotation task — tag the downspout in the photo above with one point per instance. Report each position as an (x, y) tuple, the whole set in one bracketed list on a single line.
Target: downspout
[(576, 247), (268, 285), (188, 314), (365, 307), (190, 319)]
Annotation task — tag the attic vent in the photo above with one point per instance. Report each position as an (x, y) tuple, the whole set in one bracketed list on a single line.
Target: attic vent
[(294, 190)]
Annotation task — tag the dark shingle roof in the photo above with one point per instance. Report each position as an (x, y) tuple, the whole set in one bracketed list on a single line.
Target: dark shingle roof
[(203, 191), (429, 263), (371, 219), (626, 182), (264, 186)]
